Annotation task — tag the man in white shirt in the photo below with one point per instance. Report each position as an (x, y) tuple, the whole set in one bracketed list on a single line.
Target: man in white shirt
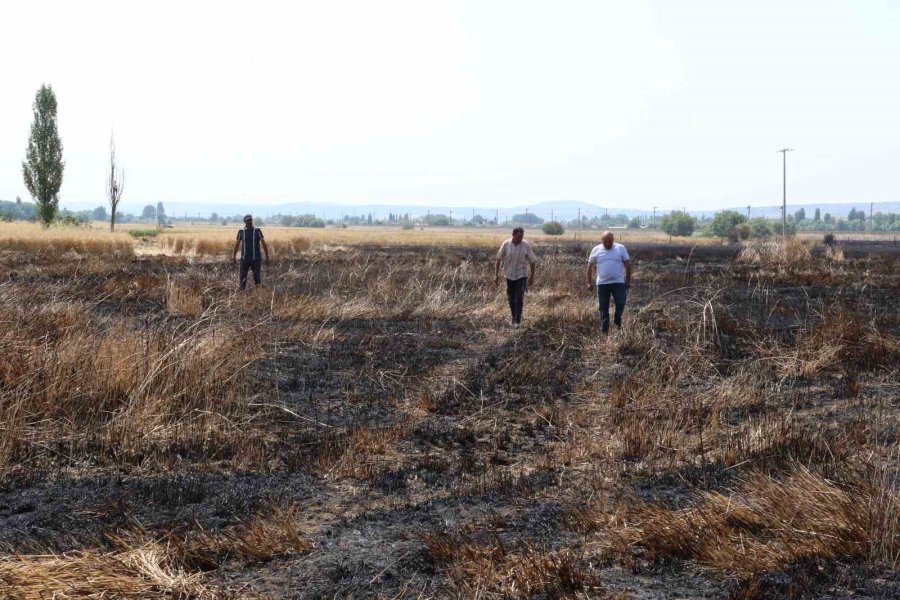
[(518, 262), (611, 264)]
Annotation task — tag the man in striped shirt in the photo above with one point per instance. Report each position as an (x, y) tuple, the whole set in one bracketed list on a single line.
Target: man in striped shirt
[(249, 240), (518, 260)]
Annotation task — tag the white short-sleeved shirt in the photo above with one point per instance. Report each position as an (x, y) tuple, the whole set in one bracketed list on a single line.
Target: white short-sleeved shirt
[(515, 259), (610, 263)]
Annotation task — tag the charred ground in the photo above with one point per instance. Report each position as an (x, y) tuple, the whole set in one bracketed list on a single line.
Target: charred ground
[(367, 426)]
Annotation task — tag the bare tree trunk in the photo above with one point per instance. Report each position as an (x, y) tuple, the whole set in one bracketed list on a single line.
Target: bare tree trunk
[(115, 185)]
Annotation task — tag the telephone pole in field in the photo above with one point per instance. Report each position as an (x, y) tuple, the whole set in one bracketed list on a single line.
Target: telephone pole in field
[(784, 152)]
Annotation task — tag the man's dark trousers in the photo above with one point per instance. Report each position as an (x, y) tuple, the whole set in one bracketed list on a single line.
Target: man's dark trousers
[(619, 293), (515, 292), (250, 264)]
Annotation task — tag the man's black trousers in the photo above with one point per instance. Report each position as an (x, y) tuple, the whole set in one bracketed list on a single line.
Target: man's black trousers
[(250, 264), (515, 292)]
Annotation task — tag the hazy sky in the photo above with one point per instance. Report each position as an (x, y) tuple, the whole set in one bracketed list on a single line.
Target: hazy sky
[(626, 104)]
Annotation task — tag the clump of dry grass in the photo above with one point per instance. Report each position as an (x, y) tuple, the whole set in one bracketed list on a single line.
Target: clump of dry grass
[(275, 532), (838, 339), (145, 571), (65, 374), (140, 568), (184, 298), (360, 452), (765, 525), (526, 572), (789, 254)]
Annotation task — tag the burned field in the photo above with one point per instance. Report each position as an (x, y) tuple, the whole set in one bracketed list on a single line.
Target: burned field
[(367, 425)]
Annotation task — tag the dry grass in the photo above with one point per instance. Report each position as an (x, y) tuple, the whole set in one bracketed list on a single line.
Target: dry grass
[(765, 525), (140, 567), (478, 569), (206, 243), (144, 571), (789, 254), (31, 237), (274, 533), (66, 374)]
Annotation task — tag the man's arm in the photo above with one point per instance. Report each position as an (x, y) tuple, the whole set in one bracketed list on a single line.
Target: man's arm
[(237, 245), (627, 264), (265, 248), (497, 270), (591, 275), (532, 262)]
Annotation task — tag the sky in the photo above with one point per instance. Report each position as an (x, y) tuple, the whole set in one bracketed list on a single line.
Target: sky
[(626, 104)]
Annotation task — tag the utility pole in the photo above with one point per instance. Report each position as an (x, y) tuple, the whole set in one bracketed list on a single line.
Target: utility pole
[(551, 214), (579, 217), (748, 212), (871, 218), (784, 152), (654, 216)]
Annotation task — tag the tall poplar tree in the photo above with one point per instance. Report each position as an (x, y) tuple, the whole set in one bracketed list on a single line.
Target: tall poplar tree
[(43, 165)]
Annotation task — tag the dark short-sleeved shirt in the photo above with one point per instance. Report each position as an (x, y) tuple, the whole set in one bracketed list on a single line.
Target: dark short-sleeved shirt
[(250, 241)]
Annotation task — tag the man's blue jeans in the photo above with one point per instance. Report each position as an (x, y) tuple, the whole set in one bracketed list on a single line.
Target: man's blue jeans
[(619, 294)]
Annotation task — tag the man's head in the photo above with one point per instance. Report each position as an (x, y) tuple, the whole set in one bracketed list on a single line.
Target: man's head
[(607, 238), (518, 234), (248, 220)]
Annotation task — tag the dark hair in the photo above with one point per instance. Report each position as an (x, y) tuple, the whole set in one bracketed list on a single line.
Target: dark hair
[(518, 230)]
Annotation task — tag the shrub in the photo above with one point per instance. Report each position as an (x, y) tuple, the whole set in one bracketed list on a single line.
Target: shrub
[(829, 240), (678, 223), (553, 228), (139, 233), (760, 228), (725, 225)]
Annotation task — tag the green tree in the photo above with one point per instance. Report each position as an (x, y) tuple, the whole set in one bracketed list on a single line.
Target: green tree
[(827, 219), (99, 213), (799, 215), (760, 228), (725, 225), (553, 228), (160, 214), (149, 212), (818, 216), (43, 165), (678, 223)]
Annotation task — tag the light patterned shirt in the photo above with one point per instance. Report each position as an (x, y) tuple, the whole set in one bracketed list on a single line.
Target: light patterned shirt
[(516, 258)]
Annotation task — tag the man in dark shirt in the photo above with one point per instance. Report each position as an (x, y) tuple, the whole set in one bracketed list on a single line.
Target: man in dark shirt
[(249, 240)]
